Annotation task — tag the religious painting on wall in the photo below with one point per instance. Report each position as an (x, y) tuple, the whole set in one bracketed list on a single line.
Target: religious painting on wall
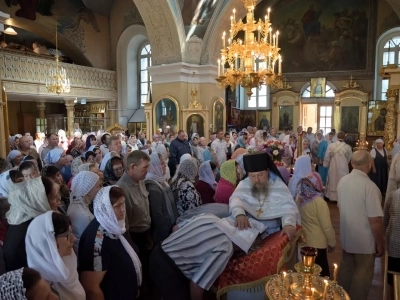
[(166, 112), (248, 118), (323, 36), (349, 118), (317, 87), (235, 116), (196, 15), (376, 118), (218, 115), (195, 124), (285, 117), (264, 119)]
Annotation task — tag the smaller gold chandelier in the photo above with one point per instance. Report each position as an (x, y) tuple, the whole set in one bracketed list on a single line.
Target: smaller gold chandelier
[(58, 82), (253, 61)]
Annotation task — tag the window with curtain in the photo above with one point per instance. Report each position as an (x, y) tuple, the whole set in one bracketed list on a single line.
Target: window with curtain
[(145, 78)]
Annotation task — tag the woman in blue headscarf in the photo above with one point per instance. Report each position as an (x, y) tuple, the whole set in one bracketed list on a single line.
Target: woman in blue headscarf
[(241, 143)]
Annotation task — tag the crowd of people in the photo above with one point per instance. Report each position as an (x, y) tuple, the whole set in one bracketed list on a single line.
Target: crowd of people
[(101, 216)]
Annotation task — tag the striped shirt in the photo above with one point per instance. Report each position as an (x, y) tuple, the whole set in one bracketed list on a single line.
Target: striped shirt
[(199, 249)]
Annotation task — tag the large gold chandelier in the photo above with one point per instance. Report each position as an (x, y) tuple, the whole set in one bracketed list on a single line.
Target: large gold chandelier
[(57, 81), (253, 61)]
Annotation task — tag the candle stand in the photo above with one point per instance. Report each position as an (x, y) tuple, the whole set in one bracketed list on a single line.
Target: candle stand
[(305, 283)]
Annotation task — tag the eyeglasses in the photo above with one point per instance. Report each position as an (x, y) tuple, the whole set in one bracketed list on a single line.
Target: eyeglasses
[(67, 235)]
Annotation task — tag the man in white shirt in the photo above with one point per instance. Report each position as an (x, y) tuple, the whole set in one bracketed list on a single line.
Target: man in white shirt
[(283, 134), (310, 136), (361, 227), (219, 147)]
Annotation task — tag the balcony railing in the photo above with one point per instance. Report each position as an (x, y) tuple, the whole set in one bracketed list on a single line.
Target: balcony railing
[(31, 69)]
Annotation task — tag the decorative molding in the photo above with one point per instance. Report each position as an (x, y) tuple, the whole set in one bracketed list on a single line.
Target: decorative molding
[(193, 50), (132, 17), (19, 68)]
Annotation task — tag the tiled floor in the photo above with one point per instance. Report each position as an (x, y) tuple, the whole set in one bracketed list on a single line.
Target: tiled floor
[(376, 291)]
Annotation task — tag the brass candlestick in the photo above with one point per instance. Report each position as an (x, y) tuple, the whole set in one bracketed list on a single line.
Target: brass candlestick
[(305, 283)]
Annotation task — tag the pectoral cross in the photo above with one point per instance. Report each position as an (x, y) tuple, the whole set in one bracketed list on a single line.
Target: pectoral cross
[(259, 212)]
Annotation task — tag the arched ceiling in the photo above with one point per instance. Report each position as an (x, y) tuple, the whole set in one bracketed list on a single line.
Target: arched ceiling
[(102, 7)]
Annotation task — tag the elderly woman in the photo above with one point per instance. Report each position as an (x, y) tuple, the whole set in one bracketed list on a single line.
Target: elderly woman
[(14, 140), (161, 199), (315, 218), (206, 184), (29, 170), (109, 266), (49, 242), (380, 168), (56, 157), (25, 283), (186, 195), (84, 188), (231, 174), (302, 168), (28, 200), (113, 171), (14, 158), (53, 173), (161, 149)]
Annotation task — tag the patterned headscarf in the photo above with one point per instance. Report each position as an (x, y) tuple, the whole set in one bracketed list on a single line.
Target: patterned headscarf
[(302, 168), (155, 171), (12, 286), (104, 213), (309, 188), (188, 169), (108, 170), (82, 184), (228, 171), (75, 165)]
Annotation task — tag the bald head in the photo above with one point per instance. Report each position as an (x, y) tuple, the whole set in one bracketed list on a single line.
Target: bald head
[(361, 160), (24, 143)]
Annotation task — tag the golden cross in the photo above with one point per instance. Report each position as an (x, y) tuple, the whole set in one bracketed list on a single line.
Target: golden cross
[(259, 211)]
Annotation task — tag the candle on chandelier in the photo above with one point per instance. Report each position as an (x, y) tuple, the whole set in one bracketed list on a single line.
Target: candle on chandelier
[(231, 20), (334, 272), (219, 66), (270, 35), (268, 10), (325, 289), (274, 40), (252, 60), (312, 291), (223, 39), (236, 61), (277, 34), (234, 15), (280, 65)]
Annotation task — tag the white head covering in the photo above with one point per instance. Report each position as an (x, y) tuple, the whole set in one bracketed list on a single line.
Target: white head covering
[(53, 156), (42, 255), (379, 141), (302, 168), (12, 286), (259, 138), (82, 184), (13, 154), (189, 169), (84, 167), (163, 151), (155, 171), (206, 174), (91, 148), (286, 139), (28, 200), (184, 157), (5, 183), (104, 213), (76, 163)]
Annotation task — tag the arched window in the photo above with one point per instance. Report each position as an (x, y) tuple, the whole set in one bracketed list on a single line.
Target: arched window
[(387, 53), (145, 78)]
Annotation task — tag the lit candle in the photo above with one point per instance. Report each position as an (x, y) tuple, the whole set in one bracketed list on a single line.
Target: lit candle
[(277, 34), (223, 39), (334, 272), (231, 20), (219, 65), (280, 65), (284, 278), (325, 288), (252, 60), (312, 291), (234, 15), (236, 61), (274, 40), (259, 32), (270, 35), (229, 41), (268, 10)]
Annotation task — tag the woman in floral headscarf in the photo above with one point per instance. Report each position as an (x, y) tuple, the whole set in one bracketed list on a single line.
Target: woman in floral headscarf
[(315, 218), (186, 195)]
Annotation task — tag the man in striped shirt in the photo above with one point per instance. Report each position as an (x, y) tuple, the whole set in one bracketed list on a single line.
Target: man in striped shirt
[(189, 261)]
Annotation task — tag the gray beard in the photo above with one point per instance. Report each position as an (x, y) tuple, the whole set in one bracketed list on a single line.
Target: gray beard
[(261, 190)]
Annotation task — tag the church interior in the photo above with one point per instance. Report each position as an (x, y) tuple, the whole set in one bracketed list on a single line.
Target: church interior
[(153, 68)]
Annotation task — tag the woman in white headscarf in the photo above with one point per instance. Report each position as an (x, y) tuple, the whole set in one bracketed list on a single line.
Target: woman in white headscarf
[(315, 146), (161, 199), (186, 195), (257, 141), (84, 188), (56, 157), (14, 140), (14, 158), (28, 200), (5, 184), (25, 284), (380, 167), (302, 168), (161, 149), (109, 266), (206, 184), (49, 242)]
